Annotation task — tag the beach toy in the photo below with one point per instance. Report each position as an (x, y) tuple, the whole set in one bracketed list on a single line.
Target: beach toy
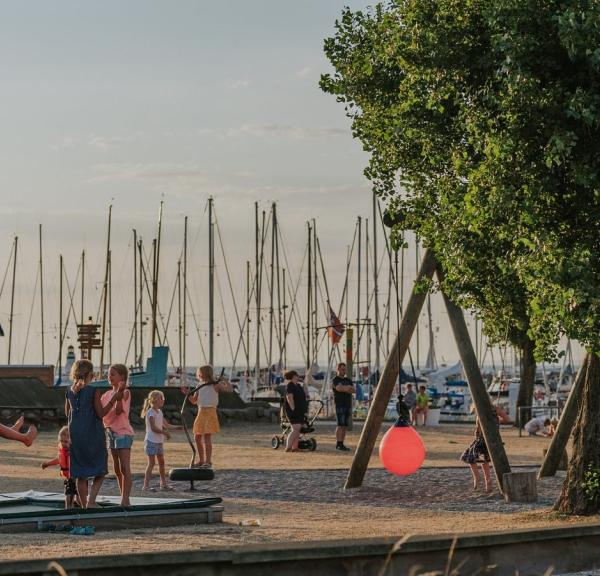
[(401, 451)]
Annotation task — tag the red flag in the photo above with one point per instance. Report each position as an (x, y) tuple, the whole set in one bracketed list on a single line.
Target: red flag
[(335, 328)]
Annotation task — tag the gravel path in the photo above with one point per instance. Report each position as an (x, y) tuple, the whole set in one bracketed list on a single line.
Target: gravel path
[(440, 489)]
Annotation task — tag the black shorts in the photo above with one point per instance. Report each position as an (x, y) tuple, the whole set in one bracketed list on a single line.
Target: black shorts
[(343, 414), (70, 487), (294, 417)]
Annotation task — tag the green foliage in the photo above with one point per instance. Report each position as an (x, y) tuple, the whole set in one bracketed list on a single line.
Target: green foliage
[(482, 120), (591, 485)]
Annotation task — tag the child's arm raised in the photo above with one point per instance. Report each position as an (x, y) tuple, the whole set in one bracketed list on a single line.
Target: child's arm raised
[(119, 409), (102, 411)]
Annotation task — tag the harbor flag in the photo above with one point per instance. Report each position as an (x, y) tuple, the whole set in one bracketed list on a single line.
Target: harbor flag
[(335, 328)]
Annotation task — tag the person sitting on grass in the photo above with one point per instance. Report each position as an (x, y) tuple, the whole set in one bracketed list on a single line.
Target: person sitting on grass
[(422, 406), (12, 432), (64, 461)]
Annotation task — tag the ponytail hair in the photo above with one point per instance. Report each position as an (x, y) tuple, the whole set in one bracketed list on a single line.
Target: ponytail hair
[(82, 371), (152, 396)]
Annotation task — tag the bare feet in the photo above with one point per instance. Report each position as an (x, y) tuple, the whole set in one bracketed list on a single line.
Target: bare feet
[(30, 435), (18, 424), (488, 489), (475, 486)]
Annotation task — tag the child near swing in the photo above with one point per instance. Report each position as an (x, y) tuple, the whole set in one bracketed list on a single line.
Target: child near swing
[(477, 453), (157, 429)]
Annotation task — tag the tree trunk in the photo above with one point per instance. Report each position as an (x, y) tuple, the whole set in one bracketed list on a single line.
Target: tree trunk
[(528, 367), (586, 446)]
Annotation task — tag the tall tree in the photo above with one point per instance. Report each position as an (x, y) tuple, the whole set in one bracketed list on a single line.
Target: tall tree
[(482, 119)]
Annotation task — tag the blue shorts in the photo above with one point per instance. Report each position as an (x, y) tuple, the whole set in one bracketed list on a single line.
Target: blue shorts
[(343, 415), (118, 441), (153, 448)]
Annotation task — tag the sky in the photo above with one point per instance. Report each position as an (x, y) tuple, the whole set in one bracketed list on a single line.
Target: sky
[(133, 103)]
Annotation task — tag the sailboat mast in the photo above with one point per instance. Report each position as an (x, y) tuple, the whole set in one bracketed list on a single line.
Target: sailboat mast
[(309, 298), (211, 284), (184, 321), (82, 284), (135, 297), (359, 255), (42, 297), (179, 339), (418, 263), (110, 307), (155, 276), (60, 317), (104, 292), (257, 297), (12, 297), (368, 316), (278, 273), (247, 321), (141, 292), (315, 290), (272, 288), (284, 310), (376, 285)]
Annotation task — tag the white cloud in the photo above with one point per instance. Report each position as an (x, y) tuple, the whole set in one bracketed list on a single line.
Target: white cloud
[(239, 84), (298, 132)]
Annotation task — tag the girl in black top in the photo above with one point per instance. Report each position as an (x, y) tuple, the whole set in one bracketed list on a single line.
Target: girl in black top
[(295, 408)]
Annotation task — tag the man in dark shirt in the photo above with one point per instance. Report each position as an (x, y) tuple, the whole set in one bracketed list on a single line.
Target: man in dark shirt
[(342, 395)]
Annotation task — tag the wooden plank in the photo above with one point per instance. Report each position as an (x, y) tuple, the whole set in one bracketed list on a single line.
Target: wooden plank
[(520, 487)]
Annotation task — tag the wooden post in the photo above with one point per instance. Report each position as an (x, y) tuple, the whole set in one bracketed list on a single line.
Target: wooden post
[(481, 399), (388, 378), (520, 487), (565, 426)]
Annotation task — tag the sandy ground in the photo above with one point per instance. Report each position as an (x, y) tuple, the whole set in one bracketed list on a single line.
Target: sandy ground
[(296, 496)]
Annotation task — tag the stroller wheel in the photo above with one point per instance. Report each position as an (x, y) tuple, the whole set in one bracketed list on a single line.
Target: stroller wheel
[(313, 444), (275, 442)]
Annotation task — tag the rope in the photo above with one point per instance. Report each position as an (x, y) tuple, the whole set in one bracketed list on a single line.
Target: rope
[(30, 314)]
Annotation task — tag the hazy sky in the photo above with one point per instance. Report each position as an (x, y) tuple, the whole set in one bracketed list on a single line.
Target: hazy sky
[(134, 102)]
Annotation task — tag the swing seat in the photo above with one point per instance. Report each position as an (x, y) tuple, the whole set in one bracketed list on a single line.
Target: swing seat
[(191, 474)]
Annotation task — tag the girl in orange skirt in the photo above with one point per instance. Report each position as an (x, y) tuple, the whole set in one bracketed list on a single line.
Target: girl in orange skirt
[(207, 421)]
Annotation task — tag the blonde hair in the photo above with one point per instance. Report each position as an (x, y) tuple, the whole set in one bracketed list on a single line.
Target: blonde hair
[(152, 396), (62, 431), (206, 373), (82, 370), (121, 370)]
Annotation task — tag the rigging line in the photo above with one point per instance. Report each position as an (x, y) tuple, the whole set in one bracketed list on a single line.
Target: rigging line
[(225, 318), (12, 250), (293, 311), (166, 327), (400, 311), (246, 319), (71, 307), (31, 313), (159, 314), (237, 316), (196, 324), (348, 261)]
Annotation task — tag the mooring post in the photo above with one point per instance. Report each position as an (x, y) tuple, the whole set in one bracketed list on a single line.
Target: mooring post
[(565, 426), (387, 381), (481, 399)]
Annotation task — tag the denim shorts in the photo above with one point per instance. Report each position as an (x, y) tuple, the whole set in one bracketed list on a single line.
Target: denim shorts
[(118, 441), (153, 448), (343, 415)]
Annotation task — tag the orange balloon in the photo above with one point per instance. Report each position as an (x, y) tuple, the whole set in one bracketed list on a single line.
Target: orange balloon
[(401, 451)]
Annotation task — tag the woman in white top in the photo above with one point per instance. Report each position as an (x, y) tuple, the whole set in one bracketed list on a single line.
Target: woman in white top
[(207, 421)]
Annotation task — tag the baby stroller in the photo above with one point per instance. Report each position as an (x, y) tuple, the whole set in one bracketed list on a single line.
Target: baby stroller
[(305, 442)]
